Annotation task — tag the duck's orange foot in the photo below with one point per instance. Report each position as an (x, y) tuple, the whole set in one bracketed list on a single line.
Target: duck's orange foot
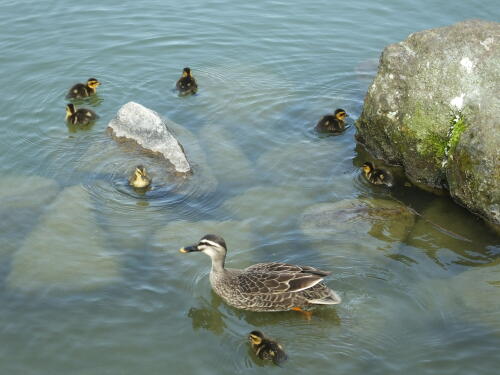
[(306, 314)]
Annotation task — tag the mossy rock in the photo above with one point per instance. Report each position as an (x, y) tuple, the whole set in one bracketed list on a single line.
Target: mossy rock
[(66, 251), (424, 83)]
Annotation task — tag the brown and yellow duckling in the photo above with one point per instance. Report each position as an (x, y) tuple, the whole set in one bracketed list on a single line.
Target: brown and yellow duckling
[(266, 348), (333, 123), (140, 178), (377, 176), (81, 90), (186, 84), (82, 116)]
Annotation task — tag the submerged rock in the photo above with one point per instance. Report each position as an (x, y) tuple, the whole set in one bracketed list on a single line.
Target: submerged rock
[(228, 162), (22, 200), (66, 249), (473, 295), (269, 208), (146, 127), (26, 191), (381, 218), (433, 108)]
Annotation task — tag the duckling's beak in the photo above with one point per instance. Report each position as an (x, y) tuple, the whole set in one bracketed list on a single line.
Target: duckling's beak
[(189, 249)]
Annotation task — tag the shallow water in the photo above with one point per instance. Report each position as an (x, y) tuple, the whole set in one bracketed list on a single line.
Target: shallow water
[(90, 278)]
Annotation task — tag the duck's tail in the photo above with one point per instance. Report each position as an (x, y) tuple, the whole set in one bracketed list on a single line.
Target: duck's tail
[(331, 299)]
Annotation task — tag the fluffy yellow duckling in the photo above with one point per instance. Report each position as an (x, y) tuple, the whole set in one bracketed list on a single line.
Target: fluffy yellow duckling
[(82, 116), (186, 84), (377, 176), (81, 90), (140, 178), (266, 348), (333, 123)]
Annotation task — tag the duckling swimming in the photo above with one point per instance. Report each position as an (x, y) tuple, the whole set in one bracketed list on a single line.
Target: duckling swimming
[(377, 176), (140, 178), (82, 116), (81, 90), (332, 123), (266, 348), (186, 84)]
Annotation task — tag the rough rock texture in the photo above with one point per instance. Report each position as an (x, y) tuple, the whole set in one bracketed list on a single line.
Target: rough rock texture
[(422, 84), (66, 250), (149, 130)]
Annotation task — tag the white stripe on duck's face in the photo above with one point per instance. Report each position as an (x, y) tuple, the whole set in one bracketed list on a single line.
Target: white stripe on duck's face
[(211, 248)]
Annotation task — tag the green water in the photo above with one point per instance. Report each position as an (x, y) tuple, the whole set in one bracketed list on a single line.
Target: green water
[(90, 278)]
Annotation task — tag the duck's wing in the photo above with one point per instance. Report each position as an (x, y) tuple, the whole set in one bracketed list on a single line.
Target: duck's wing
[(285, 267), (275, 282)]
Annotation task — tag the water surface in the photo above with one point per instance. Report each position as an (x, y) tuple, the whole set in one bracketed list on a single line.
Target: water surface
[(419, 296)]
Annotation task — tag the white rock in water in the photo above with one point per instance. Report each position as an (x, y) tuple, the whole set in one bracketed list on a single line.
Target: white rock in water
[(150, 131)]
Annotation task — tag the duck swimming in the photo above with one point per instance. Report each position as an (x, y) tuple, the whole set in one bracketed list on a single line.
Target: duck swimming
[(266, 348), (186, 84), (264, 286), (81, 90), (377, 176), (82, 116), (140, 178), (332, 123)]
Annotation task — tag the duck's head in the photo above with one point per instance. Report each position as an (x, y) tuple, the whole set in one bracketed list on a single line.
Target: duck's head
[(93, 83), (340, 114), (211, 244), (367, 167), (140, 178), (70, 110), (256, 337), (186, 72), (140, 171)]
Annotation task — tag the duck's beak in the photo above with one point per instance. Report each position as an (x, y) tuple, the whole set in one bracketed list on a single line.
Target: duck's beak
[(189, 249)]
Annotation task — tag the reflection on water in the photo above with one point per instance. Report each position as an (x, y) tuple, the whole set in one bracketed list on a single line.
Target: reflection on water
[(90, 274)]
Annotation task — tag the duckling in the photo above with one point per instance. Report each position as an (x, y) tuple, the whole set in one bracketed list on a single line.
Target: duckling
[(332, 123), (266, 348), (140, 178), (377, 176), (82, 116), (186, 84), (81, 90)]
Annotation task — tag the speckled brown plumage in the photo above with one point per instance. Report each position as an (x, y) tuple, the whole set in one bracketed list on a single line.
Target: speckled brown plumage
[(264, 286)]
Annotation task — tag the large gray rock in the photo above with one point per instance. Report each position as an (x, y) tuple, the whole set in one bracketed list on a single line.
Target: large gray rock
[(146, 127), (422, 85)]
